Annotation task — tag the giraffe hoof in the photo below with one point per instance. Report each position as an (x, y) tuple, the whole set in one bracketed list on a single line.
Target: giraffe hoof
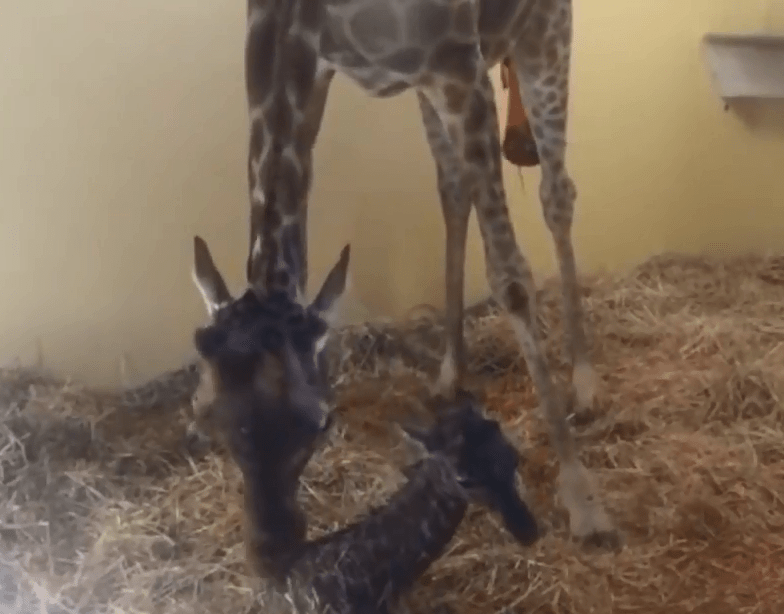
[(442, 388), (596, 531), (584, 383), (611, 540), (195, 443), (589, 522), (445, 385)]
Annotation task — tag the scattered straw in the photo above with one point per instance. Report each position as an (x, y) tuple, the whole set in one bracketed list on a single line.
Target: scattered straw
[(98, 513)]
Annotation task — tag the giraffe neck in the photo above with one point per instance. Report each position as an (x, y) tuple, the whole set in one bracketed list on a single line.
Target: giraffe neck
[(381, 556), (276, 525), (281, 54)]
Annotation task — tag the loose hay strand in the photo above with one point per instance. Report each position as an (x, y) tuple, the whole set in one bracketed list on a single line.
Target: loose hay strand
[(99, 514)]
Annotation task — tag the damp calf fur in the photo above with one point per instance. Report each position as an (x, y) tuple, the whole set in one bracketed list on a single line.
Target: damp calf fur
[(463, 459)]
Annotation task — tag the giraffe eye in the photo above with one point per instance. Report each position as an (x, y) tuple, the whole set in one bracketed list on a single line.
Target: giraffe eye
[(296, 319)]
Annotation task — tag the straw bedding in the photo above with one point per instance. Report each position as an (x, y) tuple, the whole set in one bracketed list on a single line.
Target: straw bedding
[(100, 512)]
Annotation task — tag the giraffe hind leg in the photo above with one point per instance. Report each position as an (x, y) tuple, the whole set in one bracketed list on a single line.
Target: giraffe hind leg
[(543, 78), (542, 63), (511, 280), (473, 133)]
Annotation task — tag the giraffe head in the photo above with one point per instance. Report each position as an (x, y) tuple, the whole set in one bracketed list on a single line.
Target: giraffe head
[(484, 459), (264, 352)]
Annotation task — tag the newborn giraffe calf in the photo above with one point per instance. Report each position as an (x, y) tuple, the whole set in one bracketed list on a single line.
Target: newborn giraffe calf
[(265, 400)]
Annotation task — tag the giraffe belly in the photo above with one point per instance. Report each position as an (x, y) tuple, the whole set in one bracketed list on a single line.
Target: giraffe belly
[(387, 47), (377, 83), (378, 77)]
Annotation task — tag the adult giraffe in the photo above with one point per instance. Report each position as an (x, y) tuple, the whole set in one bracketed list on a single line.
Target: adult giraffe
[(442, 49)]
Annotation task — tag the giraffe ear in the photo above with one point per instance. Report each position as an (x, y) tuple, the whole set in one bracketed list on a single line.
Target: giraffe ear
[(333, 287), (207, 278)]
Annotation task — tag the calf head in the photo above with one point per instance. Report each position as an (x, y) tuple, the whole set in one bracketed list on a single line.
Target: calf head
[(484, 459)]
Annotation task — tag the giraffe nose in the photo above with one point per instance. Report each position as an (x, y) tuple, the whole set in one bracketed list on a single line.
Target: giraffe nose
[(313, 409)]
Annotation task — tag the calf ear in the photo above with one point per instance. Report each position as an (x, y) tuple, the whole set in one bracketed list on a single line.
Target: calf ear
[(207, 278), (413, 443), (518, 518), (332, 289)]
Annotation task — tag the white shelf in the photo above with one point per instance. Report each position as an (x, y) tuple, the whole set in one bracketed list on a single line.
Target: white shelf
[(746, 65)]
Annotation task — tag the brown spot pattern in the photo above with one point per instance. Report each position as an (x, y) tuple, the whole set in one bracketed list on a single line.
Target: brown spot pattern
[(428, 21), (375, 28), (302, 67), (259, 60), (455, 60), (407, 61)]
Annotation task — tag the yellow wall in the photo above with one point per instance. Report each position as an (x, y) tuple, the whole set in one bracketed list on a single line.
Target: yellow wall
[(123, 133)]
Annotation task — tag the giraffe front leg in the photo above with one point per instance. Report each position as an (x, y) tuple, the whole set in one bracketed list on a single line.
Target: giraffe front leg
[(456, 209), (557, 195), (511, 280)]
